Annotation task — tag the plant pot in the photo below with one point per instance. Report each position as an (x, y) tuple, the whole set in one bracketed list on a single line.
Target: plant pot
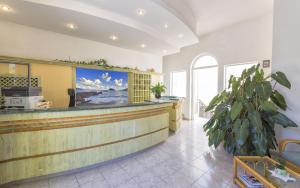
[(157, 95)]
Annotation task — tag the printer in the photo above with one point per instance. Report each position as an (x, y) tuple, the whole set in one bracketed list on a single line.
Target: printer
[(21, 97)]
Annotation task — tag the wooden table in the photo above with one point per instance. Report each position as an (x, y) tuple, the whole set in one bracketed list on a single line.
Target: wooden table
[(259, 168)]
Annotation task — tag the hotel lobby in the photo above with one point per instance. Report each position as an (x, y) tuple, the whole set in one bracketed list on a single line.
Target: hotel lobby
[(149, 94)]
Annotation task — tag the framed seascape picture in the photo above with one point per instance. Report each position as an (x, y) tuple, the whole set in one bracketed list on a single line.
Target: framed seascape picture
[(101, 87)]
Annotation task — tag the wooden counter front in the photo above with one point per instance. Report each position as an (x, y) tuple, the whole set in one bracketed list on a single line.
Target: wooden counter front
[(175, 113), (38, 144)]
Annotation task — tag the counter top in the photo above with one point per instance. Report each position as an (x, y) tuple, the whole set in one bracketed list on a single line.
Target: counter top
[(78, 108)]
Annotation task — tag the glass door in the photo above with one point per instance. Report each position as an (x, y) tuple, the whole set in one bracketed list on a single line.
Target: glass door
[(204, 85), (205, 88)]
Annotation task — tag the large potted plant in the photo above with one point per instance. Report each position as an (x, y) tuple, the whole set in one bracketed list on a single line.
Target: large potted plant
[(245, 115), (158, 89)]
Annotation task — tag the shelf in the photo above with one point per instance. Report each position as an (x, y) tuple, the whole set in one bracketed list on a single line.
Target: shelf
[(139, 87)]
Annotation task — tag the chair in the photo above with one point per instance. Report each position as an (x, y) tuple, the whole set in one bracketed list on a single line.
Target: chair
[(292, 158)]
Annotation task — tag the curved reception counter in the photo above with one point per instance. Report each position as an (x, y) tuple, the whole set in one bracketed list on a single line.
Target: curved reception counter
[(44, 142)]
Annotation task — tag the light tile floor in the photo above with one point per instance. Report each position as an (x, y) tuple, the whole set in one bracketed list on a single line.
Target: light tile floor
[(184, 160)]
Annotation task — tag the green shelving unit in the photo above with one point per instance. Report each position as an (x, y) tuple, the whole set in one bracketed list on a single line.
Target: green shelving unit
[(139, 87)]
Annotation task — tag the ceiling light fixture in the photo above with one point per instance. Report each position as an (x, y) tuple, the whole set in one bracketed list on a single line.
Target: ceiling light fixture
[(71, 26), (165, 51), (114, 37), (5, 8), (180, 35), (143, 45), (140, 12), (166, 26)]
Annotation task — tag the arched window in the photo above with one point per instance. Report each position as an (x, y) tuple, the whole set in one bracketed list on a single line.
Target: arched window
[(205, 84), (205, 61)]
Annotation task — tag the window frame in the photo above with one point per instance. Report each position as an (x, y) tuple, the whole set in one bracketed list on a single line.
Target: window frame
[(171, 82), (235, 64)]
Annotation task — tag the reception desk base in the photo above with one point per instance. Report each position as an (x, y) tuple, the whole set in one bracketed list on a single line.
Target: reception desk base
[(44, 143), (175, 115)]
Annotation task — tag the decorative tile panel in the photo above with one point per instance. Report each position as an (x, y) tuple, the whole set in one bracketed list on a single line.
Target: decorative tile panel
[(9, 81), (18, 81)]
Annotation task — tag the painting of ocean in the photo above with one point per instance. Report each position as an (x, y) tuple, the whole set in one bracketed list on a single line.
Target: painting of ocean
[(101, 87)]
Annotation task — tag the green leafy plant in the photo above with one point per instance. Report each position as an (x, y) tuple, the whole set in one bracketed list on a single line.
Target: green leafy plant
[(100, 62), (244, 116), (281, 164), (158, 89)]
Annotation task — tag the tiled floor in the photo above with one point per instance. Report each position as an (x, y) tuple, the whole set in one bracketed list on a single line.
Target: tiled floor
[(184, 160)]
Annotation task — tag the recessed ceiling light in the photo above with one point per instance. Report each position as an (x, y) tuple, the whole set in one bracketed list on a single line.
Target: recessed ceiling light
[(71, 26), (143, 45), (140, 12), (113, 37), (166, 26), (165, 51), (180, 35), (5, 8)]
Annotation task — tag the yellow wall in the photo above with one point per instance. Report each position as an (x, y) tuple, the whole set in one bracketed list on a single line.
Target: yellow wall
[(20, 70), (55, 81)]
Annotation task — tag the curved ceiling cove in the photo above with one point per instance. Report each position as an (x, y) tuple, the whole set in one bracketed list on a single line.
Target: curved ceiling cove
[(159, 27), (207, 16), (141, 25)]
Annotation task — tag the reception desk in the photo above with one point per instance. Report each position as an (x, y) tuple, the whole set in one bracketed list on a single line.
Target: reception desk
[(43, 142), (175, 112), (175, 115)]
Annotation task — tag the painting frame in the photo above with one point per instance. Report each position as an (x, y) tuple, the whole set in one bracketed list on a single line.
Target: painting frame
[(100, 87)]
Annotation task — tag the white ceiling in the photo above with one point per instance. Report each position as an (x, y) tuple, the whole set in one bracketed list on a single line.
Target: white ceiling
[(212, 15), (97, 20)]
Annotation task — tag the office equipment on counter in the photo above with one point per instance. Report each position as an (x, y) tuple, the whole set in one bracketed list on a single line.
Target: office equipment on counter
[(22, 102), (72, 94), (22, 97), (21, 91)]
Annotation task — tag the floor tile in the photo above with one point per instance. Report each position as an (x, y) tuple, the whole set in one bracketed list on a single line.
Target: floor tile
[(133, 167), (37, 184), (232, 185), (64, 181), (163, 169), (178, 180), (129, 184), (116, 177), (209, 181), (96, 184), (109, 167), (149, 179), (192, 173), (89, 175), (203, 163)]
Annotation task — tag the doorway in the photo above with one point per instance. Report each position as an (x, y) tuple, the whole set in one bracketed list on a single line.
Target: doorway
[(204, 85)]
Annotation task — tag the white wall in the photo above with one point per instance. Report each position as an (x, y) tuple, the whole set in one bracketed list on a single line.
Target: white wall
[(286, 57), (244, 42), (22, 41)]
